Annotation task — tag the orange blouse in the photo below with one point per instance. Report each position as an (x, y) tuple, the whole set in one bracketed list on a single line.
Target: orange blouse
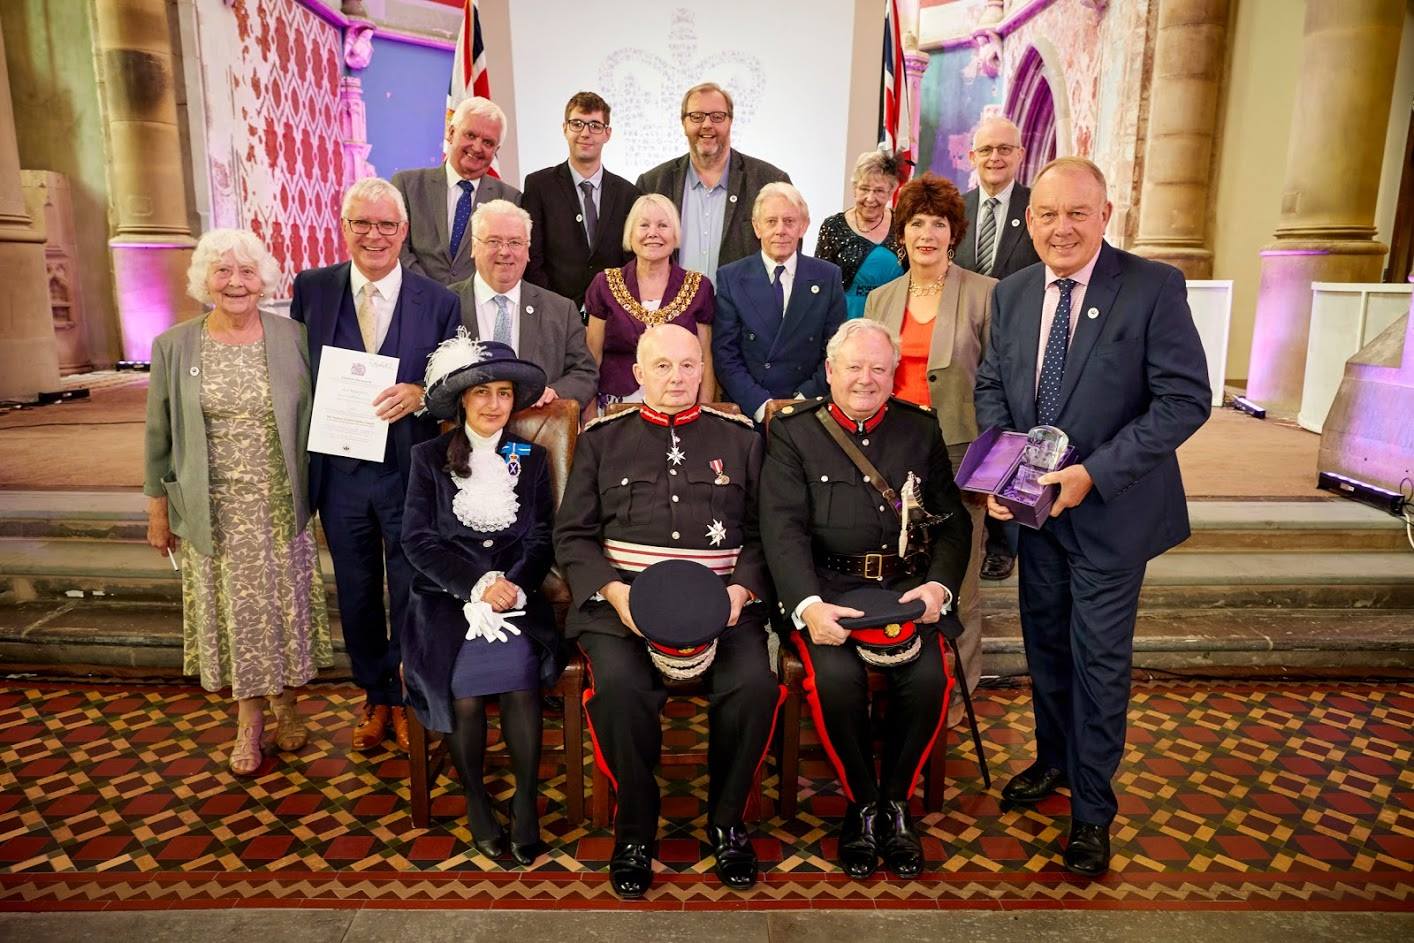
[(911, 378)]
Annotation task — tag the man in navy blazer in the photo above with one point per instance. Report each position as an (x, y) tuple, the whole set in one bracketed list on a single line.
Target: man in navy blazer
[(373, 303), (1100, 343), (775, 310)]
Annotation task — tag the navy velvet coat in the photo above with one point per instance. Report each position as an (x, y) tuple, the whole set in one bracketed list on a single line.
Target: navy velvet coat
[(448, 558)]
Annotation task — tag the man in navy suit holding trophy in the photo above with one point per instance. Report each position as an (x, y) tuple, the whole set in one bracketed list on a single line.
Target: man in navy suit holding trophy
[(1101, 344), (776, 310)]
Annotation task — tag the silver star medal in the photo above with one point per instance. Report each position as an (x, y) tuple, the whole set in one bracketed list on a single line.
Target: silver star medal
[(675, 454), (716, 533)]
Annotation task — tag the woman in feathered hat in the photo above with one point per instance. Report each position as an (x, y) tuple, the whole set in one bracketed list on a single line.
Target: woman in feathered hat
[(477, 528)]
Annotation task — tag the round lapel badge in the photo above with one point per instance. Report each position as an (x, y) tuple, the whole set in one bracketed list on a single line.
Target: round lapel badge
[(814, 289), (1093, 313), (195, 371), (530, 309), (1016, 222), (732, 198), (579, 218)]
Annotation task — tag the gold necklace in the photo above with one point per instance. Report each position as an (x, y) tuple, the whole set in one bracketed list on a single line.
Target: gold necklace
[(931, 288)]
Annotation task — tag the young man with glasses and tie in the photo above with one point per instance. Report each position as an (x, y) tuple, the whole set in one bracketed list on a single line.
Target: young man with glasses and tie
[(577, 208), (373, 303), (498, 304), (442, 199), (713, 186), (998, 245)]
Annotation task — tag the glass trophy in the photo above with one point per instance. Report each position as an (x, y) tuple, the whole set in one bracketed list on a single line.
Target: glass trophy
[(1045, 446)]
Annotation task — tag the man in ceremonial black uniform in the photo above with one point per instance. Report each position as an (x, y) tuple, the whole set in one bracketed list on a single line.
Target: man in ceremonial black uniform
[(670, 480), (830, 530)]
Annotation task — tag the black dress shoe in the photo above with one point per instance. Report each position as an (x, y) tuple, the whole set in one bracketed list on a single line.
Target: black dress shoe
[(997, 566), (1088, 851), (859, 840), (736, 859), (903, 852), (631, 869), (493, 847), (1033, 784), (526, 852)]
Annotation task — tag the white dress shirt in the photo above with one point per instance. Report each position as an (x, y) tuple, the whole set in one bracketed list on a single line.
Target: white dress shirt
[(1003, 197), (486, 310), (787, 277), (454, 193), (385, 297)]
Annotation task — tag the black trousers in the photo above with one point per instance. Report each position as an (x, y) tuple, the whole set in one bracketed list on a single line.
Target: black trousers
[(837, 688), (625, 699), (1077, 623), (362, 513)]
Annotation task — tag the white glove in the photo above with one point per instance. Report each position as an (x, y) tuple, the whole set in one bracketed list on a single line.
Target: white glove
[(484, 622)]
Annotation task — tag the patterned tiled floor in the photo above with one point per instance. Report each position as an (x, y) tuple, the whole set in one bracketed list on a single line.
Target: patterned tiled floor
[(1248, 795)]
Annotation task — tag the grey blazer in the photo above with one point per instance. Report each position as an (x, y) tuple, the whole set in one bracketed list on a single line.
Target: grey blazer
[(176, 460), (551, 337), (745, 178), (961, 333), (425, 249)]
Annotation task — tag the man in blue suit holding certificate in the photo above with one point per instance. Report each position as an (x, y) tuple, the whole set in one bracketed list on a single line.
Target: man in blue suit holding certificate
[(775, 310), (1101, 344), (373, 304)]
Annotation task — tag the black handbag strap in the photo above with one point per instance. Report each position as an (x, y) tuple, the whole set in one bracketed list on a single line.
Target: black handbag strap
[(871, 474)]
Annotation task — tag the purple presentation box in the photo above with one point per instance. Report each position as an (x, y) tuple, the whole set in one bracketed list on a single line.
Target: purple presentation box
[(989, 467)]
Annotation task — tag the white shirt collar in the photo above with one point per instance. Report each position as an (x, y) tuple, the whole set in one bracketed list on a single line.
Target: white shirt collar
[(454, 179), (482, 443), (483, 292), (772, 263), (1003, 196), (387, 287), (595, 179)]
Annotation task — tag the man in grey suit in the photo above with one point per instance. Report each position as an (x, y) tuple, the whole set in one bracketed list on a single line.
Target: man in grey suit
[(442, 199), (497, 304), (713, 186), (997, 244)]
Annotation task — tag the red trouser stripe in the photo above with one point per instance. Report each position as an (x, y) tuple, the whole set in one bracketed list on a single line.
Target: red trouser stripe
[(942, 718), (812, 697), (775, 715), (599, 759)]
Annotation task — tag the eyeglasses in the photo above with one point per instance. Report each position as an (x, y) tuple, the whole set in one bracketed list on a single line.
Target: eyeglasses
[(1002, 150), (697, 117), (386, 227), (496, 244), (577, 125)]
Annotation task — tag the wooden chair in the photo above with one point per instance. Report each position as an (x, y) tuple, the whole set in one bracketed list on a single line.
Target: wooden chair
[(601, 802), (556, 427), (792, 674)]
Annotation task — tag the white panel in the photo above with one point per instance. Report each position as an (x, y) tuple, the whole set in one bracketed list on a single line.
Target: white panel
[(1344, 318), (786, 65), (1210, 300)]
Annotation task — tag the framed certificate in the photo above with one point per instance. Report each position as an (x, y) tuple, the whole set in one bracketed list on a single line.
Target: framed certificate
[(343, 421)]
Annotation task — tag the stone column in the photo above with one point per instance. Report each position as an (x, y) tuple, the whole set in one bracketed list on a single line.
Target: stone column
[(29, 358), (1189, 51), (1327, 230), (152, 244), (915, 63)]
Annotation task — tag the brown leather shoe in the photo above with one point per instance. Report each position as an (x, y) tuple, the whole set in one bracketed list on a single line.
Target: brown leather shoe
[(372, 726), (400, 728)]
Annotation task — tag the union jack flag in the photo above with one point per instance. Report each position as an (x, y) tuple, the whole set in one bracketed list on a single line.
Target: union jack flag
[(896, 133), (469, 76)]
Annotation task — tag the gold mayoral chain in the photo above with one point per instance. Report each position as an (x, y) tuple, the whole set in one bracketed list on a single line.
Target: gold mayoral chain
[(666, 313)]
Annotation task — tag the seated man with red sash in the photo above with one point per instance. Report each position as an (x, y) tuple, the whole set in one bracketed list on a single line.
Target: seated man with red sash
[(858, 492), (671, 480)]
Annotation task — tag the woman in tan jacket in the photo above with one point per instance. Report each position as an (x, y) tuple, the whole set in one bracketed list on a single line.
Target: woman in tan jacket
[(942, 315)]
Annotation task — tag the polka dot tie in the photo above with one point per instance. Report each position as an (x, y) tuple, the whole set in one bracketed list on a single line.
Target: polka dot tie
[(460, 217), (1048, 391)]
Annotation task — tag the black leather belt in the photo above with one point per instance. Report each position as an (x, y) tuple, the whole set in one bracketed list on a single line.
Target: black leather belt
[(871, 566)]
